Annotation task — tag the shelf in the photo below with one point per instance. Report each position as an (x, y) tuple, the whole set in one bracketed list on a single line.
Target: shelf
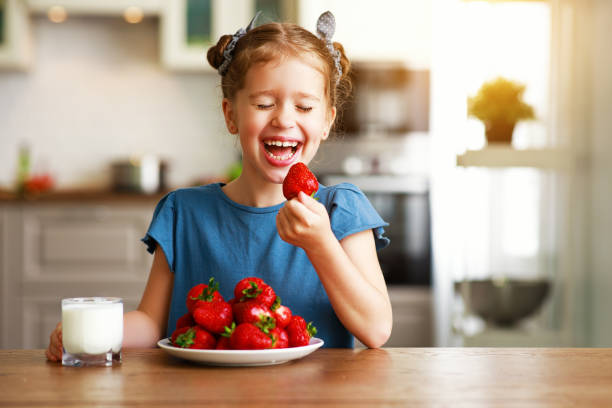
[(507, 156)]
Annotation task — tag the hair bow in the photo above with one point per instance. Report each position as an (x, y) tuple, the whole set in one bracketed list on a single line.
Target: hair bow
[(228, 52), (326, 27)]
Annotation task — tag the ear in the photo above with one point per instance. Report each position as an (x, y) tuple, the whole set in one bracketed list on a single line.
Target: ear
[(332, 117), (230, 116)]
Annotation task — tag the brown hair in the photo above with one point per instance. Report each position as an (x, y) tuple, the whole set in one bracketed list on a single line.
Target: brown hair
[(272, 41)]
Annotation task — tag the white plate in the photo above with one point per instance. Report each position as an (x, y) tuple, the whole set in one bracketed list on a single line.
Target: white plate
[(241, 357)]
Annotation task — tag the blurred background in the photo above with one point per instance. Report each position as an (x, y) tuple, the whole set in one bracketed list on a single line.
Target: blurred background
[(107, 105)]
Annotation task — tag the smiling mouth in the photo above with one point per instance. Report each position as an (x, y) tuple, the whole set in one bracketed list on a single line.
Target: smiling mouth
[(281, 150)]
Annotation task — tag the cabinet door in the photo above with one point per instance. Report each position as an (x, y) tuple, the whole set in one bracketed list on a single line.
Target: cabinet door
[(183, 46), (190, 27), (86, 244), (14, 35), (64, 251)]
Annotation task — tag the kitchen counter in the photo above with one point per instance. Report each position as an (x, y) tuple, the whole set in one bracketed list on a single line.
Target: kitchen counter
[(86, 196), (328, 377)]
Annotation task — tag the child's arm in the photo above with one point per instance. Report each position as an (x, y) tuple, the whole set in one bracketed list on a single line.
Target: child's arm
[(349, 269), (145, 326)]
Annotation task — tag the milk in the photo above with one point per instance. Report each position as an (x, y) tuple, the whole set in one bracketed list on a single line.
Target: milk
[(92, 325)]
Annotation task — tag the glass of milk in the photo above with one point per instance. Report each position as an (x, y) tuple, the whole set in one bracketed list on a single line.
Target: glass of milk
[(92, 331)]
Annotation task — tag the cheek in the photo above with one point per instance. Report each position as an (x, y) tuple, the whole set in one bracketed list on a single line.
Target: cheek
[(251, 125), (316, 126)]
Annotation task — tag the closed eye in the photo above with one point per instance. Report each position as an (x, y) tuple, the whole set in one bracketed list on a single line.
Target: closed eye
[(304, 108), (263, 106)]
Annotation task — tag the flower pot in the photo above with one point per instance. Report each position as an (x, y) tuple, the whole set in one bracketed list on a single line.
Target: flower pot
[(499, 131)]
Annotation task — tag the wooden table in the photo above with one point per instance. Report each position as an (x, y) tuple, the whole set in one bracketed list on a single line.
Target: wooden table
[(328, 377)]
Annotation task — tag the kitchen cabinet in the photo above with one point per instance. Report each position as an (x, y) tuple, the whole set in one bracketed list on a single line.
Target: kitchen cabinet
[(15, 53), (385, 31), (412, 317), (56, 250), (183, 44), (179, 53)]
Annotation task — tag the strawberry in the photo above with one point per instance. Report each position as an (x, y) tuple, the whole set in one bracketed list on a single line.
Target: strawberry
[(195, 338), (178, 332), (299, 178), (299, 332), (213, 315), (248, 336), (223, 343), (203, 292), (280, 338), (254, 288), (250, 311), (245, 285), (280, 313), (185, 320)]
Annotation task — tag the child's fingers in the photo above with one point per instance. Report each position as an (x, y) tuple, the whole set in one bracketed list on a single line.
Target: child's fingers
[(50, 356), (310, 203), (297, 209)]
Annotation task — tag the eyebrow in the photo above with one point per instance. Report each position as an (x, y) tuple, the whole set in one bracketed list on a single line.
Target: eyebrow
[(304, 95)]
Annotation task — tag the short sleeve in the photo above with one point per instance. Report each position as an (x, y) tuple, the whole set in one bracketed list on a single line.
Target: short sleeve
[(162, 228), (350, 211)]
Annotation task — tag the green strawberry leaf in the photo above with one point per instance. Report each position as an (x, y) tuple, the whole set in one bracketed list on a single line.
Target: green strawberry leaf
[(276, 304), (186, 339), (311, 329), (229, 330), (251, 292)]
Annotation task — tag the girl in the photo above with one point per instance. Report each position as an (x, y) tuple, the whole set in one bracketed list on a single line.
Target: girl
[(281, 86)]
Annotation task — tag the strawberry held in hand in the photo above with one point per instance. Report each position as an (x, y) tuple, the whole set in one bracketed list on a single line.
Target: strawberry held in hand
[(299, 178)]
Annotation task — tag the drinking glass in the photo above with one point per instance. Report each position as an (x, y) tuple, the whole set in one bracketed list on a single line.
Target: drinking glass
[(92, 331)]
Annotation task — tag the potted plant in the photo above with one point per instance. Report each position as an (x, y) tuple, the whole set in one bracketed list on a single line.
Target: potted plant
[(499, 105)]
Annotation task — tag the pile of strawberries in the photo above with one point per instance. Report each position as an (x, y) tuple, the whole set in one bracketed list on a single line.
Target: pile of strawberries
[(253, 319)]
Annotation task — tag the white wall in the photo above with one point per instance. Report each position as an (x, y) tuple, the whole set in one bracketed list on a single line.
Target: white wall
[(95, 93)]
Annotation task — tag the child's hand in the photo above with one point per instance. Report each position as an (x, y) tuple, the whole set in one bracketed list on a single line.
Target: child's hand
[(54, 351), (303, 222)]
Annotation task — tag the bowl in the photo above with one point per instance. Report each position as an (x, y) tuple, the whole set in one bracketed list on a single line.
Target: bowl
[(503, 302)]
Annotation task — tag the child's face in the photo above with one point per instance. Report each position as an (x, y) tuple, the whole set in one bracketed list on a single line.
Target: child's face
[(281, 115)]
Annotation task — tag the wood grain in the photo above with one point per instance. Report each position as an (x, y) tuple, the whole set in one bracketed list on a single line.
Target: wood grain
[(328, 377)]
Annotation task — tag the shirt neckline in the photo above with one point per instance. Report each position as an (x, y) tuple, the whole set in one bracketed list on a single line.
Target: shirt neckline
[(255, 210)]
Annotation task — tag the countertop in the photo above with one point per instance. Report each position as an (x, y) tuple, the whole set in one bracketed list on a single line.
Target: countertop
[(444, 377), (80, 195)]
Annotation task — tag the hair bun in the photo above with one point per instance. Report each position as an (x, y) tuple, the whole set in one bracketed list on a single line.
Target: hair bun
[(215, 53)]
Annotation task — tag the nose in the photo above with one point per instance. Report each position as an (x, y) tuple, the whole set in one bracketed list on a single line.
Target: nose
[(284, 116)]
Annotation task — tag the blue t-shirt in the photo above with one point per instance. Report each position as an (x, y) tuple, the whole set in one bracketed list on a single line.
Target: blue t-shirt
[(204, 234)]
